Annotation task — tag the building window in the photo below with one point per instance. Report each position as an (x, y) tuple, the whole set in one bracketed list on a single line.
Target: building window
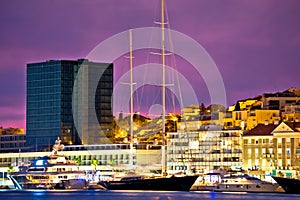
[(238, 116), (271, 150), (279, 141), (279, 151)]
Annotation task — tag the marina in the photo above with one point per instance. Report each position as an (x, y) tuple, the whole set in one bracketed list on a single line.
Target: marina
[(57, 172), (184, 153)]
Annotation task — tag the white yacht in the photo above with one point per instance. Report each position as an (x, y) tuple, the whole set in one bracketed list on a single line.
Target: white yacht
[(207, 182), (50, 172), (245, 183)]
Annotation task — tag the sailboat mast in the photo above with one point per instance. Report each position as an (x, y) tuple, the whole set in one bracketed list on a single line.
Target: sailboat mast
[(163, 87), (131, 101)]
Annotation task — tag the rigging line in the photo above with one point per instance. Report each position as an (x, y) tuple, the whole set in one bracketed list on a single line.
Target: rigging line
[(176, 69), (172, 78), (190, 154), (140, 97), (131, 64)]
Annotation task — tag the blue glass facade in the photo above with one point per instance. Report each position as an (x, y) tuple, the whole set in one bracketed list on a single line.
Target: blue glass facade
[(49, 102)]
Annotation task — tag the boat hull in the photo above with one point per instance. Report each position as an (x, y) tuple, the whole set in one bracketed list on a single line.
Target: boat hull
[(246, 187), (158, 184), (290, 185)]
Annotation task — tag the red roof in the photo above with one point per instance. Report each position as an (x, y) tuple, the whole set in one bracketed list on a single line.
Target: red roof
[(261, 130), (293, 125)]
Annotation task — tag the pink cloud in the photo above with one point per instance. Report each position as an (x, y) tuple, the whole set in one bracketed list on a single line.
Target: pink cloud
[(254, 43)]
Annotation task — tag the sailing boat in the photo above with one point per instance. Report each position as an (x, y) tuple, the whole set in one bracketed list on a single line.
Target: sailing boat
[(290, 185), (163, 183)]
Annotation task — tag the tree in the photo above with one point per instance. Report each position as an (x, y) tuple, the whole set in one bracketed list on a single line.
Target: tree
[(112, 162), (94, 162), (237, 106), (78, 161), (202, 108), (10, 169)]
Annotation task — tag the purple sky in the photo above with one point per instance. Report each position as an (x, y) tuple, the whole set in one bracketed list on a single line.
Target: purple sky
[(255, 44)]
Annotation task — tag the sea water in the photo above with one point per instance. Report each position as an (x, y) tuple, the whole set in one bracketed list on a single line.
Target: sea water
[(137, 195)]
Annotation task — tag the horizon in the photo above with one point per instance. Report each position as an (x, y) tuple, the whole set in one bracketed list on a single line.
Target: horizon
[(254, 44)]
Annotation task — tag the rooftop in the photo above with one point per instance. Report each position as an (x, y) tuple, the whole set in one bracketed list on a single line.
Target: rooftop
[(261, 130)]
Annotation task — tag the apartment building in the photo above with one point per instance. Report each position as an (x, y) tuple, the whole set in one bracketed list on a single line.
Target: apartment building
[(291, 113), (12, 140), (271, 148)]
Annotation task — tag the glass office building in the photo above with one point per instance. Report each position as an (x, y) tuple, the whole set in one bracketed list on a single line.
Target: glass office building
[(49, 112), (204, 151)]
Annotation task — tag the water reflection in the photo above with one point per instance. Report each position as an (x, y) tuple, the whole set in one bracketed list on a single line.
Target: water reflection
[(137, 195)]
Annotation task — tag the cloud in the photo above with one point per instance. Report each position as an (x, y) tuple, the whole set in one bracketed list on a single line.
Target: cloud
[(254, 43), (12, 116)]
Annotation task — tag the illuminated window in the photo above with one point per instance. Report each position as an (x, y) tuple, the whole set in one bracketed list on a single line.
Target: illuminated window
[(279, 140)]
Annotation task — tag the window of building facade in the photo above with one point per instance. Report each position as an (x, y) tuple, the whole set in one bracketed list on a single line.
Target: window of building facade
[(249, 151), (279, 140)]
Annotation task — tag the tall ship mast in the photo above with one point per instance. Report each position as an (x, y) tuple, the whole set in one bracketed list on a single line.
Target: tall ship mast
[(163, 153), (130, 57), (140, 182), (131, 100)]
